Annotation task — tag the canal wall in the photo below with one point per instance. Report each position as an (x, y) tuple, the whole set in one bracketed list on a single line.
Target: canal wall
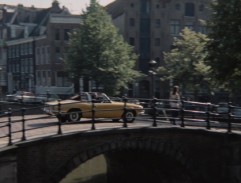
[(8, 165)]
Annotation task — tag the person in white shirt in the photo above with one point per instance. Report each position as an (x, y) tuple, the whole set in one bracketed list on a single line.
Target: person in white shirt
[(175, 103)]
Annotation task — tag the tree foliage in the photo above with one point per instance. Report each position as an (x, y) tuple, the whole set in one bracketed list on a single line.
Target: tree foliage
[(224, 55), (185, 64), (98, 51)]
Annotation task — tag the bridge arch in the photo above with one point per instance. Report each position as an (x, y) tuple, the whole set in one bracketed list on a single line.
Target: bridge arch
[(119, 151), (201, 155)]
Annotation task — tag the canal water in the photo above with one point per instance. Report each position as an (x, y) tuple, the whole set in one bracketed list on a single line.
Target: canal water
[(92, 171)]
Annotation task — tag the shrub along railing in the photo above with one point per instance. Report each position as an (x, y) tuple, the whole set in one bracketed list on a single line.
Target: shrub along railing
[(156, 111)]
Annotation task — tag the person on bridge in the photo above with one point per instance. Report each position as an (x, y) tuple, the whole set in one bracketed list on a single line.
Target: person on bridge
[(175, 103)]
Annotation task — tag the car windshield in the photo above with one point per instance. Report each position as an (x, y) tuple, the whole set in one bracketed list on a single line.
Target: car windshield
[(88, 96)]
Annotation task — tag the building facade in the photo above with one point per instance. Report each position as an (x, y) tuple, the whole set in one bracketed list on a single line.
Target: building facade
[(50, 51), (3, 54), (34, 44), (150, 26)]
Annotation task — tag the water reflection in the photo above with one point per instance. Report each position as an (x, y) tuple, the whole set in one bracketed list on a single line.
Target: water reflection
[(92, 171)]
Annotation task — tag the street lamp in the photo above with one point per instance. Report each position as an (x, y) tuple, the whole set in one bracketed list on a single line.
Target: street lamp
[(152, 73)]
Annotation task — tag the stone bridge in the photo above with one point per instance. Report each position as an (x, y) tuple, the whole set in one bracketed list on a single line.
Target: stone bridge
[(147, 154)]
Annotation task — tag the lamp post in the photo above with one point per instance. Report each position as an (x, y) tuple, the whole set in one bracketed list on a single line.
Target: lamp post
[(152, 73)]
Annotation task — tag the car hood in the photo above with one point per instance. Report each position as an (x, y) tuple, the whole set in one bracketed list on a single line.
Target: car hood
[(56, 102)]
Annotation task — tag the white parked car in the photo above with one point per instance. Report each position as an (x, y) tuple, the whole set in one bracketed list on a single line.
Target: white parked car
[(222, 108), (21, 97)]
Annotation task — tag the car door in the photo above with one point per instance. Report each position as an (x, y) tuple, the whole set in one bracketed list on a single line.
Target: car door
[(108, 110)]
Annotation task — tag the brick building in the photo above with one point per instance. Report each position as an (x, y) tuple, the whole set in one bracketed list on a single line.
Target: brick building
[(150, 26), (34, 41)]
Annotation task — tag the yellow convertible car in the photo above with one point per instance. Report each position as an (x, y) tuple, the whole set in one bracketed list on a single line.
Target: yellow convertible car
[(93, 104)]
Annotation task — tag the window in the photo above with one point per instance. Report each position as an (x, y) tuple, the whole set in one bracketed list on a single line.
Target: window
[(38, 79), (202, 29), (175, 27), (30, 48), (25, 49), (44, 80), (62, 79), (17, 67), (189, 25), (47, 52), (189, 9), (9, 53), (48, 78), (157, 42), (145, 27), (21, 49), (37, 56), (132, 41), (201, 7), (57, 54), (145, 7), (66, 34), (132, 22), (57, 34), (14, 53), (163, 5), (30, 60), (157, 23), (17, 51), (177, 6), (43, 55)]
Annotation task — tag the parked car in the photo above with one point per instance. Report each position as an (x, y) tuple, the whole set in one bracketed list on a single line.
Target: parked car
[(80, 106), (222, 108), (22, 97), (236, 111)]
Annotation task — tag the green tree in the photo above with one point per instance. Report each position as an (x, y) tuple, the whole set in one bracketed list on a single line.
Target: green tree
[(224, 56), (98, 52), (185, 64)]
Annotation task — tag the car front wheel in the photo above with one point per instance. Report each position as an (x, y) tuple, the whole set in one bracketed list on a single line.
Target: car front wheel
[(129, 116), (74, 115)]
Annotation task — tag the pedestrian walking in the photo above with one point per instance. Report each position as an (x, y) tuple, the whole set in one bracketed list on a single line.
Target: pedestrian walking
[(175, 103)]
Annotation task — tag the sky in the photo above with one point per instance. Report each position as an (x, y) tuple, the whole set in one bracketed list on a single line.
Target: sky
[(74, 6)]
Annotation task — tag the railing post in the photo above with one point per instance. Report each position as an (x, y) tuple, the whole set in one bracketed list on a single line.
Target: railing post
[(125, 110), (208, 117), (93, 115), (59, 118), (154, 112), (23, 124), (229, 117), (10, 126), (182, 114)]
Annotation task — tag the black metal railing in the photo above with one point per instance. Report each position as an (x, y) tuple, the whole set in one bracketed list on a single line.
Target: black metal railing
[(15, 124)]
